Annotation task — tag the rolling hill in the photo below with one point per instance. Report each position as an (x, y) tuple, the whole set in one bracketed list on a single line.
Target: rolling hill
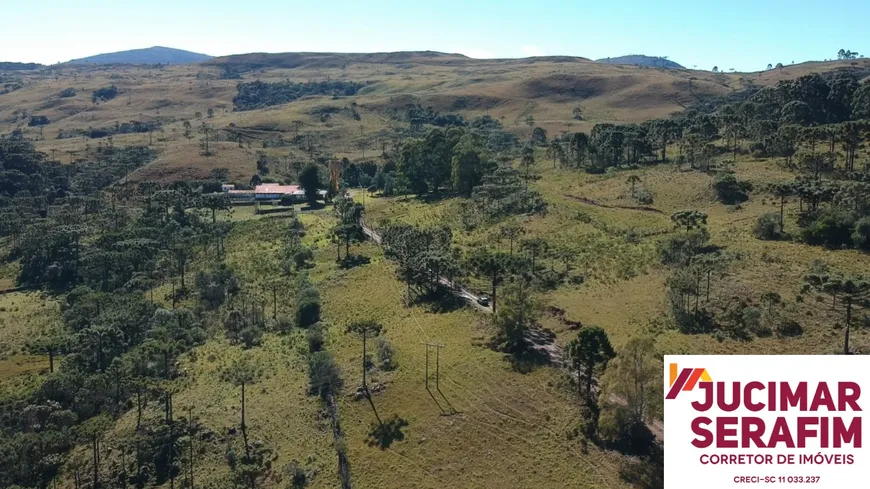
[(642, 60), (152, 55), (509, 90)]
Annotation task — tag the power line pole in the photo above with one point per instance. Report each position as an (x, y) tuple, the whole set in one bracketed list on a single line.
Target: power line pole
[(438, 348)]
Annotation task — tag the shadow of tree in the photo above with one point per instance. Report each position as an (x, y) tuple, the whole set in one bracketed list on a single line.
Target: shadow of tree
[(353, 261), (312, 207), (526, 361), (441, 300), (384, 434)]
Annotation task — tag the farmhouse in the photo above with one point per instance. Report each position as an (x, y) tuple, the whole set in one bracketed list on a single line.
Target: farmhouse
[(273, 191), (266, 192)]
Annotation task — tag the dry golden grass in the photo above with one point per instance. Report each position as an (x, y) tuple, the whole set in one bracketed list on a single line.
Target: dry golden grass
[(23, 316), (509, 90)]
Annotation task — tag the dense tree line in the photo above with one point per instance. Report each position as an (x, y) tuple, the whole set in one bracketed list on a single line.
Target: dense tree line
[(259, 94), (132, 127), (811, 113), (417, 117), (117, 346)]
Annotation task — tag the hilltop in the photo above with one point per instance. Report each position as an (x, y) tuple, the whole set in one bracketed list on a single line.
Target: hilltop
[(252, 61), (642, 60), (152, 55)]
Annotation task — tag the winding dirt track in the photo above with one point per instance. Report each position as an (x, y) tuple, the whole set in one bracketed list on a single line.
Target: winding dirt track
[(608, 206)]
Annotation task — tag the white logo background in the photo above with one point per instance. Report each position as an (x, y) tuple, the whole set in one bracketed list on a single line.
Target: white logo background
[(683, 468)]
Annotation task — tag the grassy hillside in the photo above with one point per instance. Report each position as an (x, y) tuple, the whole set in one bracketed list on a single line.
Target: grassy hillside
[(641, 60), (548, 89)]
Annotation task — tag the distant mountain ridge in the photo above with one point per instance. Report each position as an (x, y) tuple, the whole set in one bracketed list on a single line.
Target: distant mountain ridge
[(402, 59), (152, 55), (642, 60), (14, 66)]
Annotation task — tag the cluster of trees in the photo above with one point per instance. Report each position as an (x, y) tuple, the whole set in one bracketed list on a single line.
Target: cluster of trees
[(847, 54), (259, 94), (423, 257), (108, 249), (832, 213), (619, 392), (696, 267), (366, 173), (132, 127), (810, 111), (118, 347), (459, 160), (38, 120), (522, 262), (429, 265), (417, 116), (32, 187), (348, 228), (502, 193), (453, 158)]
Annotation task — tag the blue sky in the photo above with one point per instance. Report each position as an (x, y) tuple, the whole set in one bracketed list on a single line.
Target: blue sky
[(740, 34)]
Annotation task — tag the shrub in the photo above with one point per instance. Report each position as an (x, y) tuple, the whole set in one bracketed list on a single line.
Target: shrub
[(68, 92), (767, 227), (680, 248), (283, 324), (730, 190), (307, 303), (829, 227), (302, 257), (620, 431), (315, 338), (296, 475), (789, 328), (308, 308), (105, 93), (386, 354), (214, 285), (323, 374), (251, 336), (643, 196), (861, 234), (38, 120)]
